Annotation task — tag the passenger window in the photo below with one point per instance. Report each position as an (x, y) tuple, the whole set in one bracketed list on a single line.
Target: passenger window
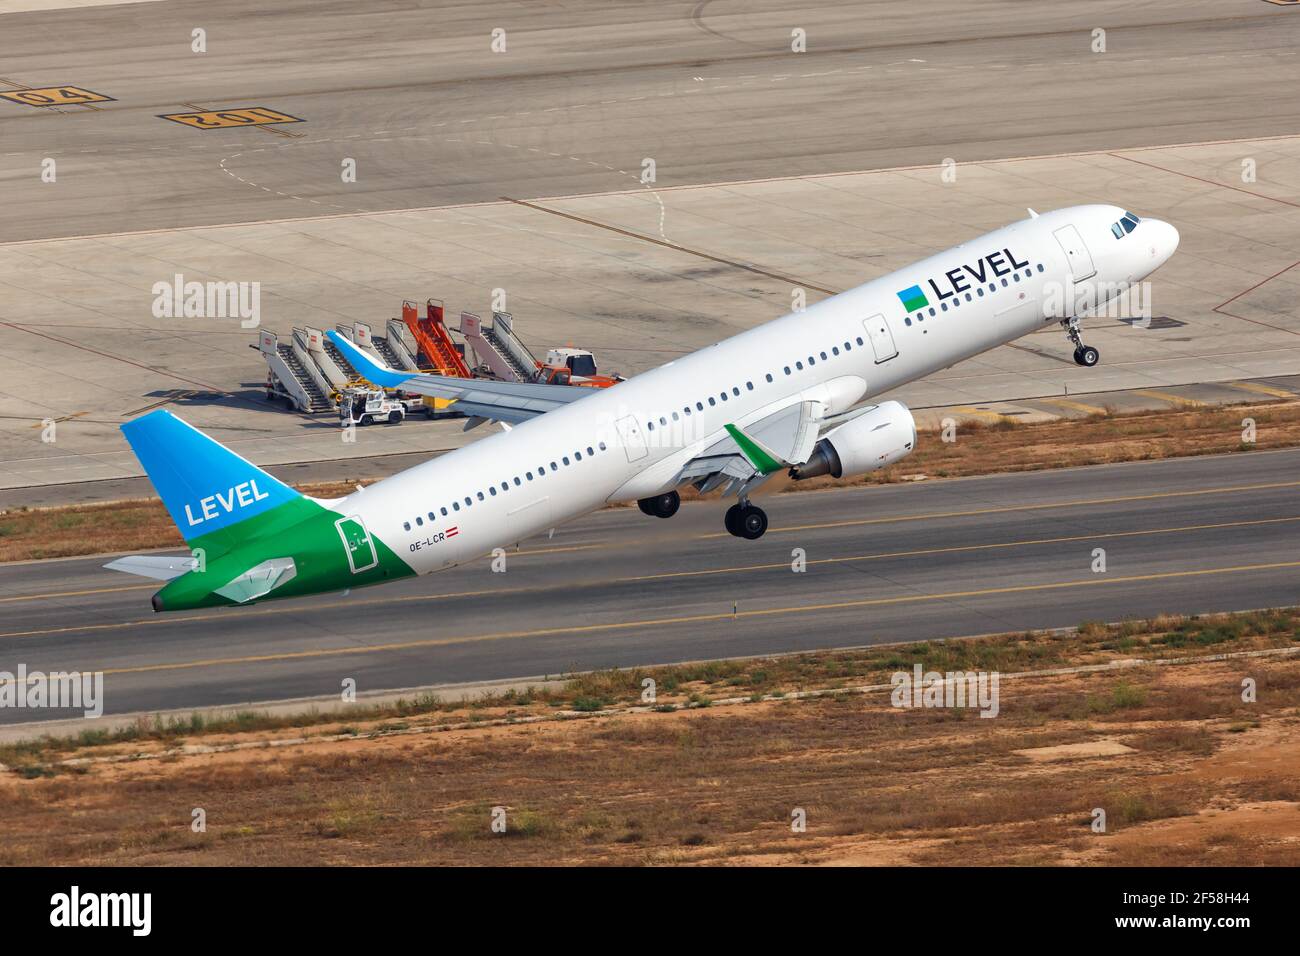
[(787, 370), (492, 490), (577, 455), (589, 452), (858, 340), (406, 525), (769, 377), (480, 496), (601, 446), (455, 505), (823, 355), (712, 401), (565, 459), (554, 467)]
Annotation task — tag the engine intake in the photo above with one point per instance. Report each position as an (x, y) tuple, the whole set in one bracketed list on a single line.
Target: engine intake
[(873, 440)]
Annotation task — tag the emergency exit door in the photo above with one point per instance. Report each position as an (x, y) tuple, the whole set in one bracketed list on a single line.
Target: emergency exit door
[(357, 544), (882, 339)]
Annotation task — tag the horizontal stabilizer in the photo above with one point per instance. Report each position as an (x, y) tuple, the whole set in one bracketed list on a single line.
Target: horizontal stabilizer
[(158, 567)]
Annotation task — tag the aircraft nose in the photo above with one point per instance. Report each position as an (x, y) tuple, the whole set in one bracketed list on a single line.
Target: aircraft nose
[(1163, 239)]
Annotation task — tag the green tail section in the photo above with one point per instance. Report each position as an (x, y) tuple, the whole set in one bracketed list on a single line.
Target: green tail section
[(254, 537)]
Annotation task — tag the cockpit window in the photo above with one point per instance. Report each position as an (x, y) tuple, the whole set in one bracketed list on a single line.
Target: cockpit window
[(1126, 225)]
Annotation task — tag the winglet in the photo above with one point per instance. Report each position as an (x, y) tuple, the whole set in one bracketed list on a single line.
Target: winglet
[(762, 459), (367, 367)]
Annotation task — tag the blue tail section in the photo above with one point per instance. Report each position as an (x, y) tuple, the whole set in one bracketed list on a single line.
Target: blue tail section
[(367, 367), (205, 486)]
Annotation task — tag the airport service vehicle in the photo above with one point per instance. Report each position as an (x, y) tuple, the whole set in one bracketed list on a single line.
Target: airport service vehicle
[(786, 396), (359, 405), (570, 366)]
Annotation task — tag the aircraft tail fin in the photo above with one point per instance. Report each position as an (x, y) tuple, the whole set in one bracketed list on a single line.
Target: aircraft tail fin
[(209, 491)]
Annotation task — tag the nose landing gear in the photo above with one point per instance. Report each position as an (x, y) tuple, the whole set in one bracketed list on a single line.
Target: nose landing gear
[(1084, 355), (746, 521)]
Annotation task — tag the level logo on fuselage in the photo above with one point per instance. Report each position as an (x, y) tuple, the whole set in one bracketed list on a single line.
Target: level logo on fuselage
[(952, 283)]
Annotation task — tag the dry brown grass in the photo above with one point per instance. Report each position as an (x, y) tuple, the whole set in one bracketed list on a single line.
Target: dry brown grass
[(1201, 777), (1006, 446)]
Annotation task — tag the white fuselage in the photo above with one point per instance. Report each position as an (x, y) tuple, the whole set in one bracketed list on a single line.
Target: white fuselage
[(629, 441)]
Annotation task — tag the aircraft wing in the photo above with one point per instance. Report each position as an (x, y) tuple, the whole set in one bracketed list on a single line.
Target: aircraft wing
[(509, 402), (747, 457)]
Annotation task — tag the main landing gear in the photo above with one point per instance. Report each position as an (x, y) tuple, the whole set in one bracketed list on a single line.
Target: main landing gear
[(745, 520), (1084, 355), (661, 506)]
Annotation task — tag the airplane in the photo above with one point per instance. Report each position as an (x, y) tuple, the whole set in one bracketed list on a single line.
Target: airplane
[(791, 395)]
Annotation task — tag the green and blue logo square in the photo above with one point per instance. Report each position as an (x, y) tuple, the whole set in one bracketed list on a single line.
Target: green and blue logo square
[(913, 298)]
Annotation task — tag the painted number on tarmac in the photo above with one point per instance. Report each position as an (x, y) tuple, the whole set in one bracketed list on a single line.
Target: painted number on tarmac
[(55, 96), (221, 119)]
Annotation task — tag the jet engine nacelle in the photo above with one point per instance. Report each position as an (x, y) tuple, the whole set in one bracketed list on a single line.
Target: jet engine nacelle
[(872, 440)]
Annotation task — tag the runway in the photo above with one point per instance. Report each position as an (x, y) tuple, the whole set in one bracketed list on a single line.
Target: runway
[(912, 562)]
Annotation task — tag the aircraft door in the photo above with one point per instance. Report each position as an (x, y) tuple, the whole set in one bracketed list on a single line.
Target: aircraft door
[(357, 544), (1076, 253), (882, 339), (633, 441)]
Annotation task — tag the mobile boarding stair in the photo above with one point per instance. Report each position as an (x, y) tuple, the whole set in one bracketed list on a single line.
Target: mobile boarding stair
[(292, 376), (497, 347)]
